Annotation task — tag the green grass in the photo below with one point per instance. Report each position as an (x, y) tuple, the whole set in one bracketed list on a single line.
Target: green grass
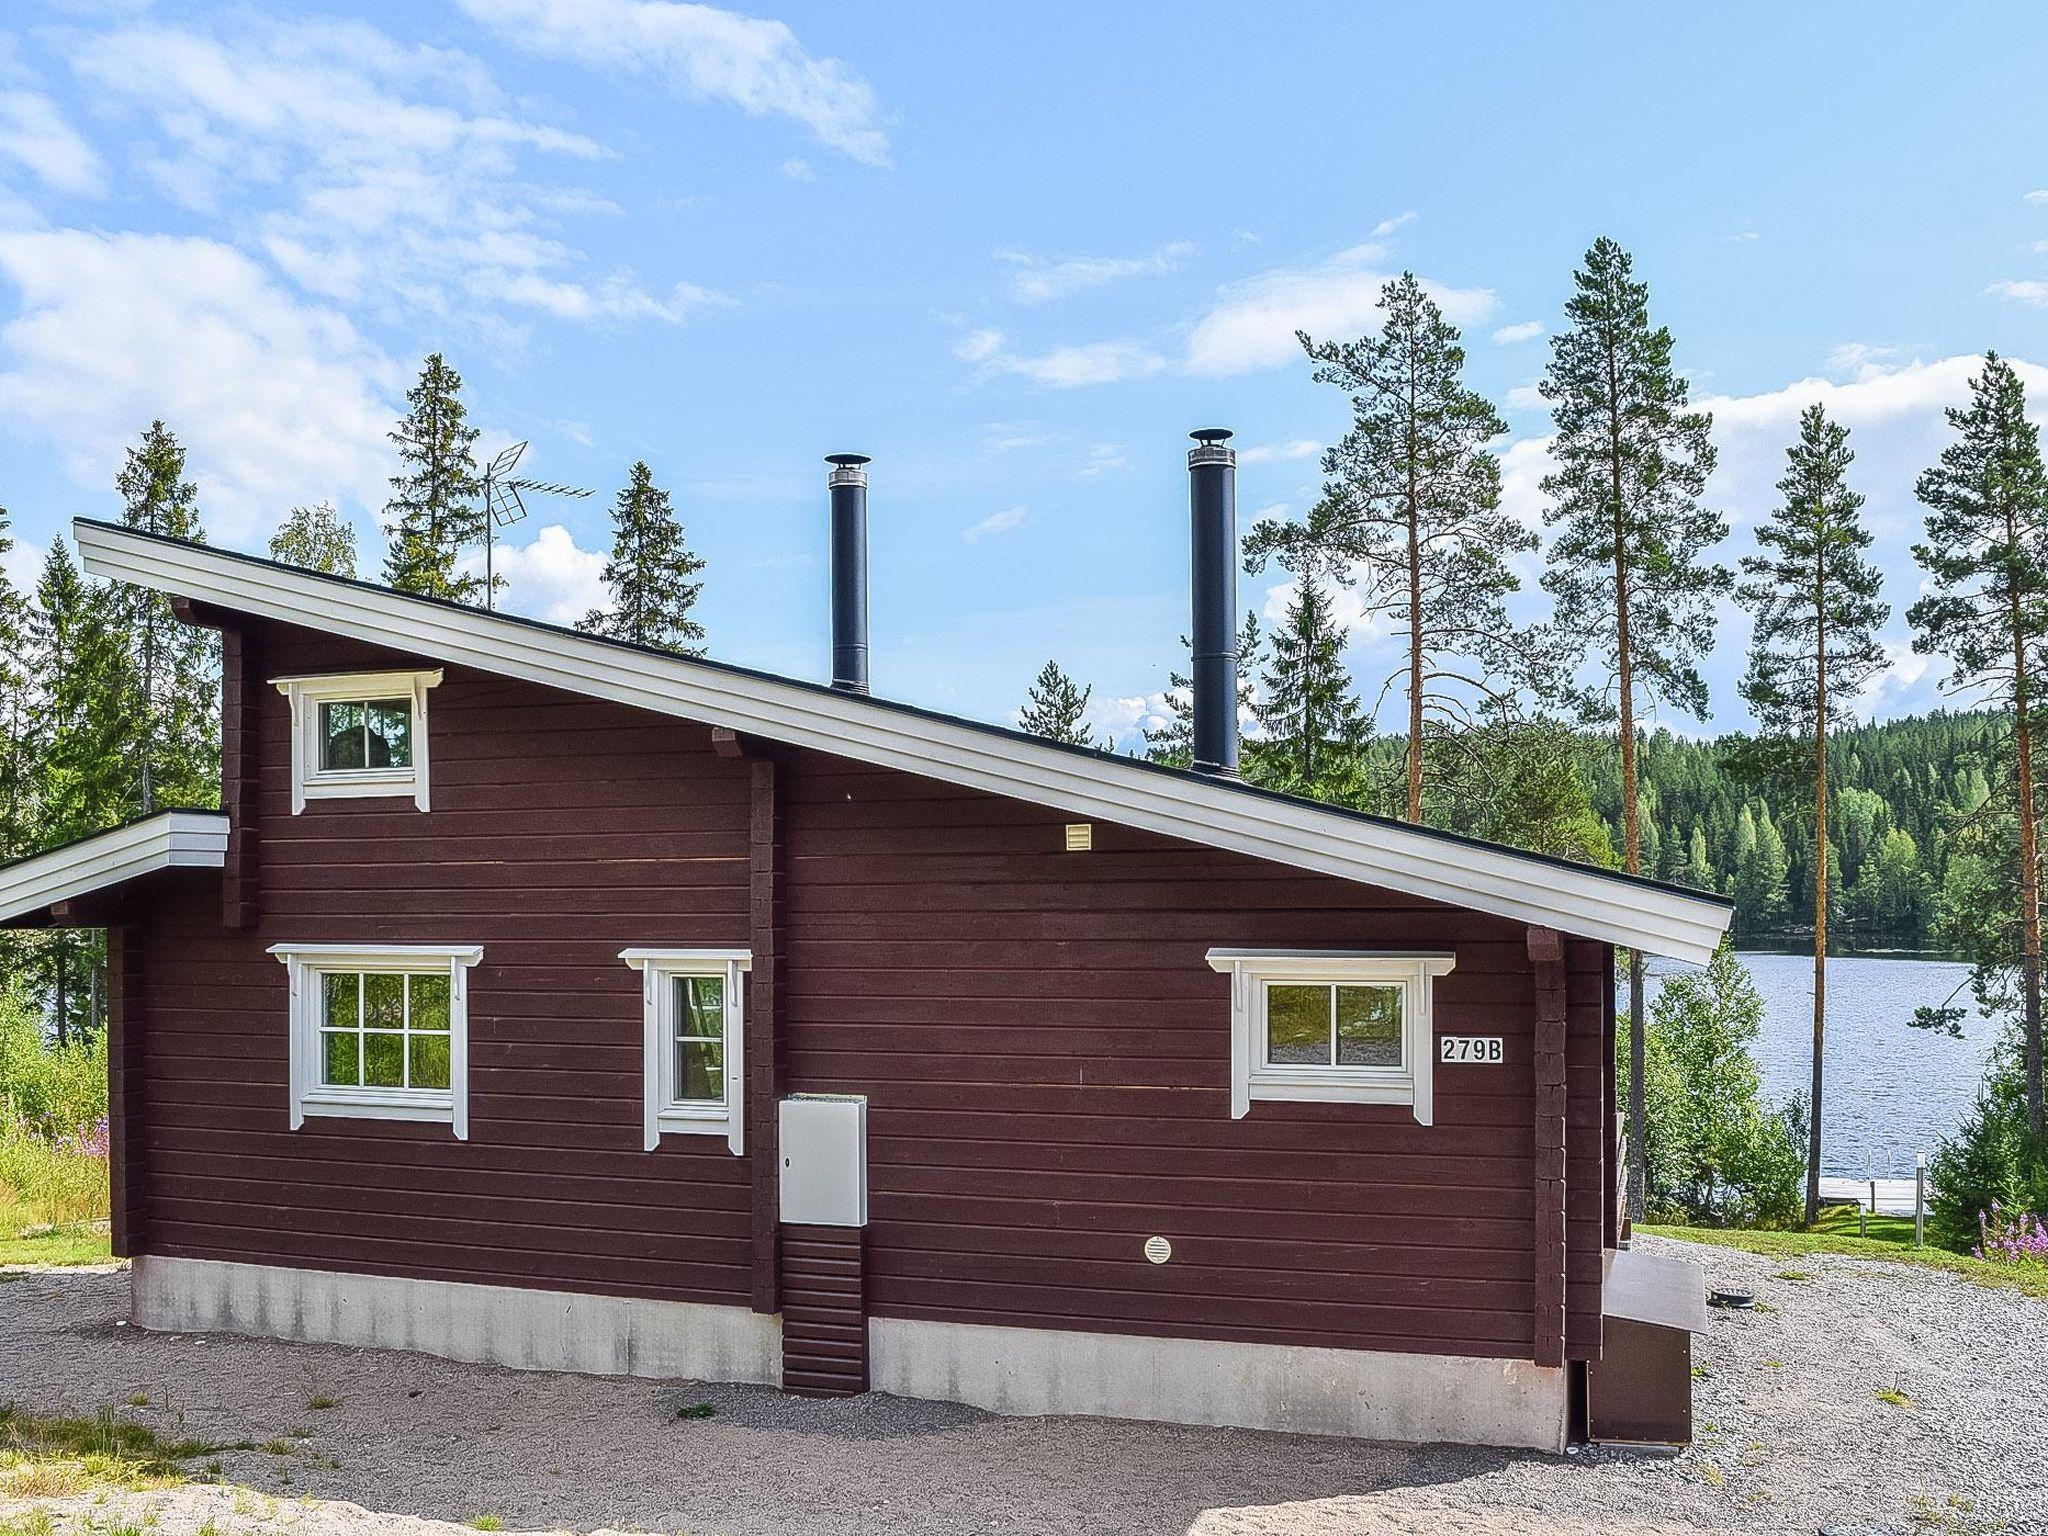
[(486, 1523), (42, 1248), (1889, 1238), (50, 1457)]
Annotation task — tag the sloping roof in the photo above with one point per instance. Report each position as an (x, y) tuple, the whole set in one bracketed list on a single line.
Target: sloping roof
[(167, 840), (1463, 872)]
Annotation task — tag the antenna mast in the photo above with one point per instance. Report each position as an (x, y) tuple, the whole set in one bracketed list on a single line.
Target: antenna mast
[(504, 506)]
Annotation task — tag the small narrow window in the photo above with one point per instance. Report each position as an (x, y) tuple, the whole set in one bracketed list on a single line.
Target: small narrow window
[(359, 735), (380, 1033), (1333, 1026), (693, 1055)]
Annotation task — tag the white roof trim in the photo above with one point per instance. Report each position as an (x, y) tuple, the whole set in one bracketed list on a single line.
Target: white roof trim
[(171, 839), (1477, 876)]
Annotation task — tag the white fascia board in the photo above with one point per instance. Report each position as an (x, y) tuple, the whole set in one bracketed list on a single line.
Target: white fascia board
[(1475, 876), (172, 839)]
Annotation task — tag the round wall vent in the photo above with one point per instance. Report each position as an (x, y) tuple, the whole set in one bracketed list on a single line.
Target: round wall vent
[(1158, 1249)]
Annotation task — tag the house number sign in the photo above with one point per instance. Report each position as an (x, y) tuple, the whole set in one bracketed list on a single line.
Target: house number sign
[(1470, 1050)]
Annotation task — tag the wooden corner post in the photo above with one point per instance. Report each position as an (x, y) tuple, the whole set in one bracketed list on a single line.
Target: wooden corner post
[(1546, 963)]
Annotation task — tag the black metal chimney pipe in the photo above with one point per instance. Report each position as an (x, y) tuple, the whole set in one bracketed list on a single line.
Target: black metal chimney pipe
[(849, 484), (1212, 508)]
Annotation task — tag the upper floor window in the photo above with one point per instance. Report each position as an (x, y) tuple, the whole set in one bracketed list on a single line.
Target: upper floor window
[(358, 734), (380, 1032), (693, 1044), (1343, 1026)]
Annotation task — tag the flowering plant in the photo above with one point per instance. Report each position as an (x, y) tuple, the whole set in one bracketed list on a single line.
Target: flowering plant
[(2011, 1237)]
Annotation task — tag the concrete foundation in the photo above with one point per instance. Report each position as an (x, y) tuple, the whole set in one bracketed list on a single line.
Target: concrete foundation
[(1363, 1393), (499, 1325)]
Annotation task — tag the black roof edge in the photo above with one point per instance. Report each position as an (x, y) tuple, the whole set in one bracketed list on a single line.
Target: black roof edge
[(733, 669)]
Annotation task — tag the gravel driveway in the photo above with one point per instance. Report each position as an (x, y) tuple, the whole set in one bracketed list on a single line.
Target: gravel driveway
[(1794, 1437)]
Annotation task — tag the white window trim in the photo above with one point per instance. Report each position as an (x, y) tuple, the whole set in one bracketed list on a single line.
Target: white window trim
[(662, 1114), (312, 782), (1251, 1078), (306, 963)]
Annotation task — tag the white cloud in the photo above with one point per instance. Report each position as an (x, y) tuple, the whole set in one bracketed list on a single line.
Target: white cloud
[(1266, 453), (2025, 290), (1102, 458), (277, 401), (796, 168), (551, 578), (1038, 279), (1386, 227), (1098, 362), (34, 133), (1122, 722), (371, 172), (1525, 330), (22, 564), (1526, 397), (704, 53), (1009, 520), (2038, 197), (978, 346), (1252, 324), (1861, 360)]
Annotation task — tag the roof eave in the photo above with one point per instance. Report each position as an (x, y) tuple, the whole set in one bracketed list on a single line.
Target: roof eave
[(100, 863)]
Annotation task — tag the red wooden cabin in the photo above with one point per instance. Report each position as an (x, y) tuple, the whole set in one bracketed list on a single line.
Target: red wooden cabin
[(546, 1000)]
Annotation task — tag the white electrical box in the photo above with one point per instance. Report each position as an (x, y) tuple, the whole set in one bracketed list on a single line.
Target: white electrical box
[(824, 1142)]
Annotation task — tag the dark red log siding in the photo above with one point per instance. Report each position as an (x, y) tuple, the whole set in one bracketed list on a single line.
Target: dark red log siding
[(1045, 1050)]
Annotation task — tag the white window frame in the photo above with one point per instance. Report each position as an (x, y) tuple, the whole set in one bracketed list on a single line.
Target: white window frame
[(662, 1113), (312, 782), (307, 963), (1253, 1078)]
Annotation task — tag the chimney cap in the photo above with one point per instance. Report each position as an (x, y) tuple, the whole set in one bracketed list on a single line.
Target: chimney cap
[(848, 459), (1211, 434)]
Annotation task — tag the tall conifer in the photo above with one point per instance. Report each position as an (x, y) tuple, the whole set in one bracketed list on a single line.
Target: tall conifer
[(1413, 508), (1314, 726), (1054, 708), (17, 757), (1986, 610), (177, 666), (1627, 566), (434, 513), (649, 576), (1814, 598)]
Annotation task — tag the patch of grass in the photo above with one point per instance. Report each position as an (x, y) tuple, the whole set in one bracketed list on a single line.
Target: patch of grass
[(320, 1401), (1775, 1365), (51, 1457), (1890, 1239), (277, 1447), (36, 1522), (486, 1523), (1794, 1274), (38, 1247), (138, 1399), (696, 1411), (1894, 1396)]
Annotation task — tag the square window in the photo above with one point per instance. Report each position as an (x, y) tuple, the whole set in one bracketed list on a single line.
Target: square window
[(1369, 1027), (359, 735), (693, 1052), (700, 1072)]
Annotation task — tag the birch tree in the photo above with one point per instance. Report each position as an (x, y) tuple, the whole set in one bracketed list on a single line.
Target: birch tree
[(316, 538)]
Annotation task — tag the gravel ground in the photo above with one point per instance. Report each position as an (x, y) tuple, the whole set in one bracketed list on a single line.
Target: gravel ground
[(1793, 1438)]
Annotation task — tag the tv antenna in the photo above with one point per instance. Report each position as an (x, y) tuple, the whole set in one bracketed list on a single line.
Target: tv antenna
[(504, 506)]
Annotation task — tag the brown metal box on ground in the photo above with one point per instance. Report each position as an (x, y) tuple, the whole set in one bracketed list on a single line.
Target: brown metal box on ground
[(1639, 1392)]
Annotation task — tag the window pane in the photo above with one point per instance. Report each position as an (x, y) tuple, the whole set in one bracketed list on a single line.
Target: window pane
[(429, 1060), (340, 1066), (390, 723), (341, 736), (383, 1061), (1298, 1026), (700, 1071), (429, 1002), (700, 1007), (1369, 1027), (339, 999), (384, 1001)]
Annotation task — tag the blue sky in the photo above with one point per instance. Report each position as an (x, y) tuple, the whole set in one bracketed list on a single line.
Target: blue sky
[(1014, 253)]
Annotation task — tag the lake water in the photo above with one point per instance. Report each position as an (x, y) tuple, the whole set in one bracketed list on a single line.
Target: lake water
[(1892, 1090)]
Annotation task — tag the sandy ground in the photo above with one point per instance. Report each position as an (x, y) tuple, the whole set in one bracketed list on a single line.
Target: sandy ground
[(1794, 1438)]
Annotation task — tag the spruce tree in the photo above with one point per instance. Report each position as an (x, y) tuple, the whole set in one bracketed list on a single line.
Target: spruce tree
[(1054, 708), (17, 763), (648, 577), (1627, 567), (434, 513), (176, 736), (1813, 596), (1413, 506), (316, 538), (1313, 723), (1986, 610)]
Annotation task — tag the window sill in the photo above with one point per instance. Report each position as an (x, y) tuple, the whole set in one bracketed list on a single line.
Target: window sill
[(365, 785), (393, 1104), (1333, 1090), (678, 1121)]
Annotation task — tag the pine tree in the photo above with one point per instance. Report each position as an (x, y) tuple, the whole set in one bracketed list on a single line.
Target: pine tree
[(1413, 506), (1814, 599), (316, 538), (1173, 741), (648, 575), (17, 763), (1054, 707), (1627, 567), (1986, 610), (176, 746), (1312, 719), (434, 512)]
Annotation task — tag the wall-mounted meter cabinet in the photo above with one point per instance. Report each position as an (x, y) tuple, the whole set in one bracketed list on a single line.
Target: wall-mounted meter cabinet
[(824, 1144)]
